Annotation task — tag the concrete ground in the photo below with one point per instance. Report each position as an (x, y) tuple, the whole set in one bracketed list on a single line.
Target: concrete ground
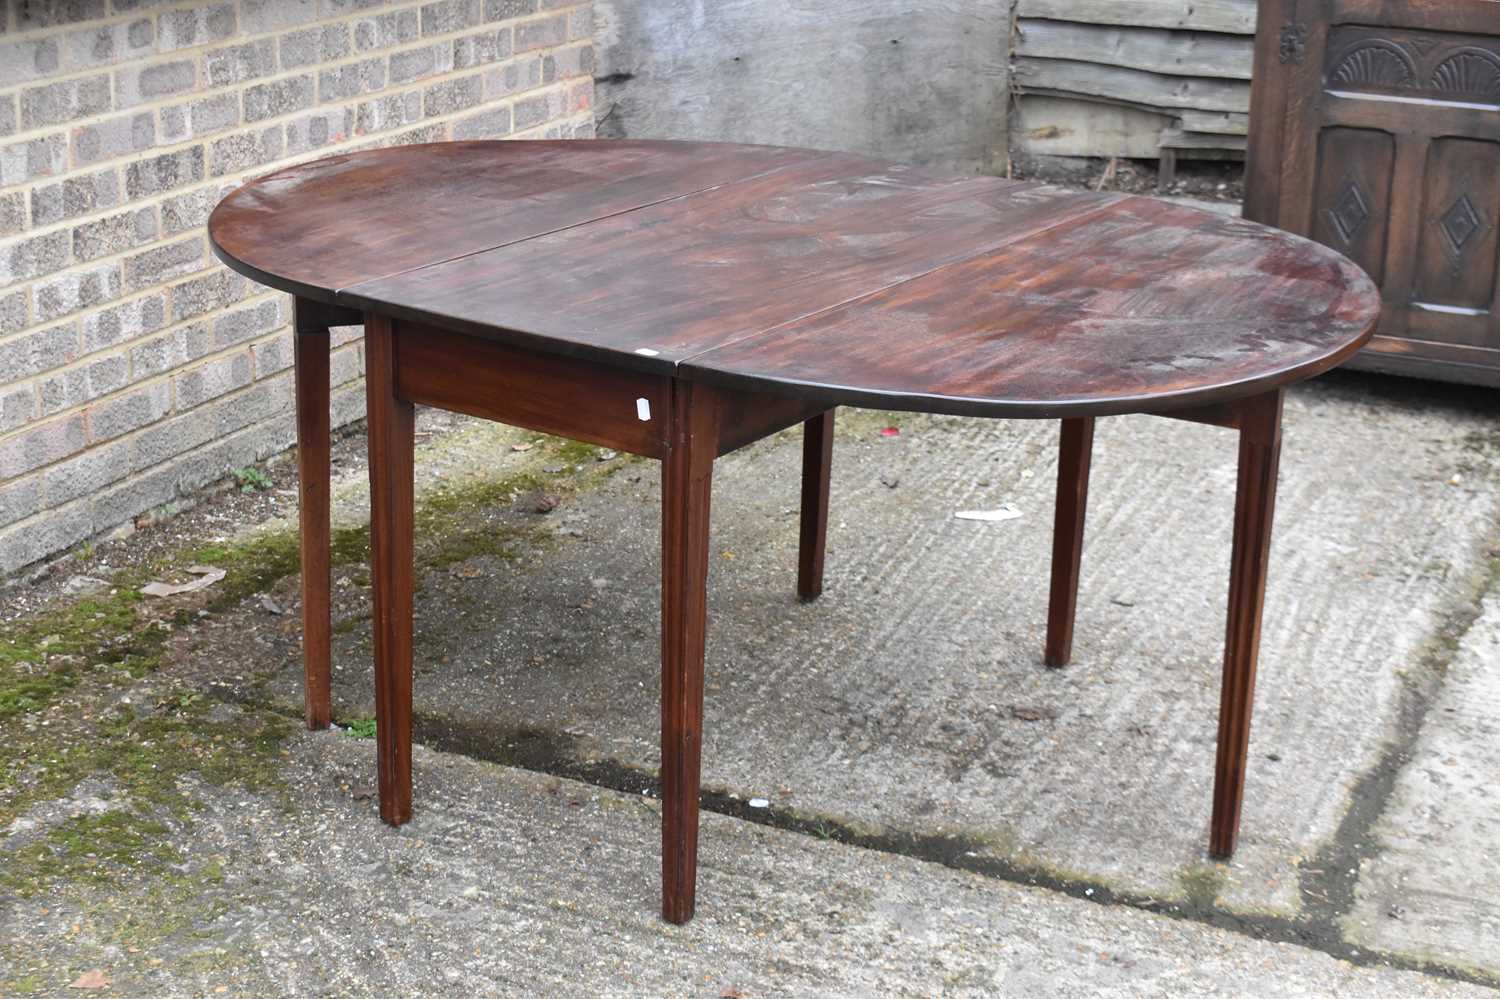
[(943, 815)]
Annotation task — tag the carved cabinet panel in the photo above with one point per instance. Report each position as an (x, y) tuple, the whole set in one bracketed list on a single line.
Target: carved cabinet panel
[(1375, 128)]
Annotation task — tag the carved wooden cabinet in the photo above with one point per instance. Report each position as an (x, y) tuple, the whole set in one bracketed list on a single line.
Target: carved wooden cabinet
[(1375, 128)]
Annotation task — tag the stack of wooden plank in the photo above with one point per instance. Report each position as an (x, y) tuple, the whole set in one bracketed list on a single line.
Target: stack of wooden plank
[(1133, 78)]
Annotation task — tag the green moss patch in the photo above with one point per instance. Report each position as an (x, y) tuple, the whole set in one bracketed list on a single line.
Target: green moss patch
[(145, 759), (42, 659)]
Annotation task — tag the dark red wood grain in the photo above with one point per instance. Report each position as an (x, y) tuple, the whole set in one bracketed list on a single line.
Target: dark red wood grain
[(311, 354), (826, 277), (1139, 306), (302, 229), (687, 481), (392, 443)]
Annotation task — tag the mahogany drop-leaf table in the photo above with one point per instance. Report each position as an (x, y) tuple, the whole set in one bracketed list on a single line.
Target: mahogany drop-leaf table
[(680, 300)]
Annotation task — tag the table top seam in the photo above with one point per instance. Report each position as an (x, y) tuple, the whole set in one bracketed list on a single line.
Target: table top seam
[(823, 155)]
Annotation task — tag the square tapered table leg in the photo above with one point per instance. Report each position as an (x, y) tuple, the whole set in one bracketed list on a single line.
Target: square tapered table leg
[(817, 467), (1067, 536), (392, 443), (687, 480), (311, 353), (1254, 505)]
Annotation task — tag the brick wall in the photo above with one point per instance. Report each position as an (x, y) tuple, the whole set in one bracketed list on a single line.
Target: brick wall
[(133, 367)]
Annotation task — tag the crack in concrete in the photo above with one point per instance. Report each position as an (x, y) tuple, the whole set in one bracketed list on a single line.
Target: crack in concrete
[(559, 755)]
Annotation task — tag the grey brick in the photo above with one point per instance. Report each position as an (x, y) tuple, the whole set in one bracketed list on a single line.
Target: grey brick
[(244, 323), (114, 233), (135, 409), (139, 84), (243, 150), (491, 124), (172, 349), (390, 111), (163, 263), (74, 290), (333, 8), (260, 402), (238, 63), (313, 45), (259, 16), (127, 6), (28, 60), (190, 210), (13, 313), (272, 355), (566, 63), (387, 30), (542, 33), (32, 540), (82, 384), (121, 136), (124, 322), (581, 23), (85, 474), (481, 49), (7, 115), (31, 256), (575, 129), (312, 131), (204, 116), (267, 100), (345, 366), (211, 380), (512, 78), (351, 79), (105, 44), (200, 24), (449, 15), (170, 438), (427, 133), (18, 405), (41, 445), (124, 503), (163, 173), (531, 111), (347, 404), (212, 114), (64, 101), (54, 12), (12, 213), (414, 64), (33, 158), (215, 290), (499, 10), (75, 196), (452, 95), (38, 351), (20, 498)]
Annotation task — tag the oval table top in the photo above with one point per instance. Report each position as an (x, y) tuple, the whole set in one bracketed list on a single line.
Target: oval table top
[(827, 276)]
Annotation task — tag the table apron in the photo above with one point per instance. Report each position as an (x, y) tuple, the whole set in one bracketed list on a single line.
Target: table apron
[(613, 407), (584, 400)]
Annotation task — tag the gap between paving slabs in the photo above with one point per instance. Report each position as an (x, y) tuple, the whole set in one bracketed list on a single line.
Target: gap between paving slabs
[(133, 649)]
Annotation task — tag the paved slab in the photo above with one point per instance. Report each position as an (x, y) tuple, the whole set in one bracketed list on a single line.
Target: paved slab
[(1430, 890), (510, 883), (911, 700)]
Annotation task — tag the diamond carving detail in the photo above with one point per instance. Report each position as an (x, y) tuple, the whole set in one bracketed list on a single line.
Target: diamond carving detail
[(1460, 223), (1350, 211)]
